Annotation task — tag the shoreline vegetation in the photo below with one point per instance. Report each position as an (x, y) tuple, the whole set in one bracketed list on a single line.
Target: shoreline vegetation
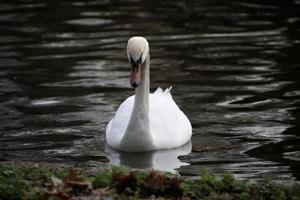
[(47, 182)]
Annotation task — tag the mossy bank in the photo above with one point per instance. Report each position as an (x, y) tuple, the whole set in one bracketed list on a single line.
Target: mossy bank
[(40, 181)]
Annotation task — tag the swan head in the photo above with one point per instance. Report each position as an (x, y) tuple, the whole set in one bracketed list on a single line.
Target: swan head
[(137, 52)]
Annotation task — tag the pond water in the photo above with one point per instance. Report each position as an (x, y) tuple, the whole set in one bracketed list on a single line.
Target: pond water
[(233, 65)]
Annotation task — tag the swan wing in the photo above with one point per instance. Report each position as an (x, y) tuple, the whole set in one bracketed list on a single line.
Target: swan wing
[(168, 124), (116, 128)]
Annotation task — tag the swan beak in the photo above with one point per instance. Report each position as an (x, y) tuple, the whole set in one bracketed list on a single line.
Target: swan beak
[(135, 77)]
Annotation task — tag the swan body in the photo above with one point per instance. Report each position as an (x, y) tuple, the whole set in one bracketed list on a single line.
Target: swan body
[(146, 122)]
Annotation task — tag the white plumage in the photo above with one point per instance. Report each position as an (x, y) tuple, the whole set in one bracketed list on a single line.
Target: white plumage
[(146, 122)]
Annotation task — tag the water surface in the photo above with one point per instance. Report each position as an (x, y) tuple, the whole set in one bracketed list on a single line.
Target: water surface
[(233, 65)]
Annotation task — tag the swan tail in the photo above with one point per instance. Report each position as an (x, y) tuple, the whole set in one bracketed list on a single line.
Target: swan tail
[(168, 90), (161, 91), (158, 90)]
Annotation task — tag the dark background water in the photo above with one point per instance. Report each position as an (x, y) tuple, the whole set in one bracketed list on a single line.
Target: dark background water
[(233, 65)]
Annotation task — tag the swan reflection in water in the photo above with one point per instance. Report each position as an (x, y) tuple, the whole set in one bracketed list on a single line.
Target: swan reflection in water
[(162, 160)]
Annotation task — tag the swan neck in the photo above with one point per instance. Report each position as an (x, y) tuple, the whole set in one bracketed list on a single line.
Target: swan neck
[(142, 91), (138, 129)]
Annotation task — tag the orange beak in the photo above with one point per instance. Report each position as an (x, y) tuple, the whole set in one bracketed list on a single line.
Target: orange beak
[(135, 76)]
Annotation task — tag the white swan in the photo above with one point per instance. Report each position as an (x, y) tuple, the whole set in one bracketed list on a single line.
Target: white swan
[(146, 122)]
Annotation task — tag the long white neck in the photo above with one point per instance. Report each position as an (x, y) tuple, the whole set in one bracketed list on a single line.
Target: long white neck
[(138, 129)]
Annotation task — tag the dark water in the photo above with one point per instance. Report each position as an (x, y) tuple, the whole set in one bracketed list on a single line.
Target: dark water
[(233, 65)]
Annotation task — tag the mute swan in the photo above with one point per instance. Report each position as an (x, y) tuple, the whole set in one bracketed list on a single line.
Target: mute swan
[(146, 122)]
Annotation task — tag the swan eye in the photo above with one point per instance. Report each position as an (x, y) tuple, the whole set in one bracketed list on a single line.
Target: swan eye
[(131, 60)]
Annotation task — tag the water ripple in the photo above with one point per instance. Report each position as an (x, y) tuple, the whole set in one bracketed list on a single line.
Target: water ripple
[(233, 66)]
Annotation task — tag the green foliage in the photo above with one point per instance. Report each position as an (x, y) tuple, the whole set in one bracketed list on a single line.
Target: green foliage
[(102, 179), (21, 184), (211, 186), (24, 181)]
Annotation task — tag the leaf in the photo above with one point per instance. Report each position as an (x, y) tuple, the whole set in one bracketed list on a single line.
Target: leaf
[(161, 185), (121, 182), (156, 181), (56, 181), (79, 188)]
